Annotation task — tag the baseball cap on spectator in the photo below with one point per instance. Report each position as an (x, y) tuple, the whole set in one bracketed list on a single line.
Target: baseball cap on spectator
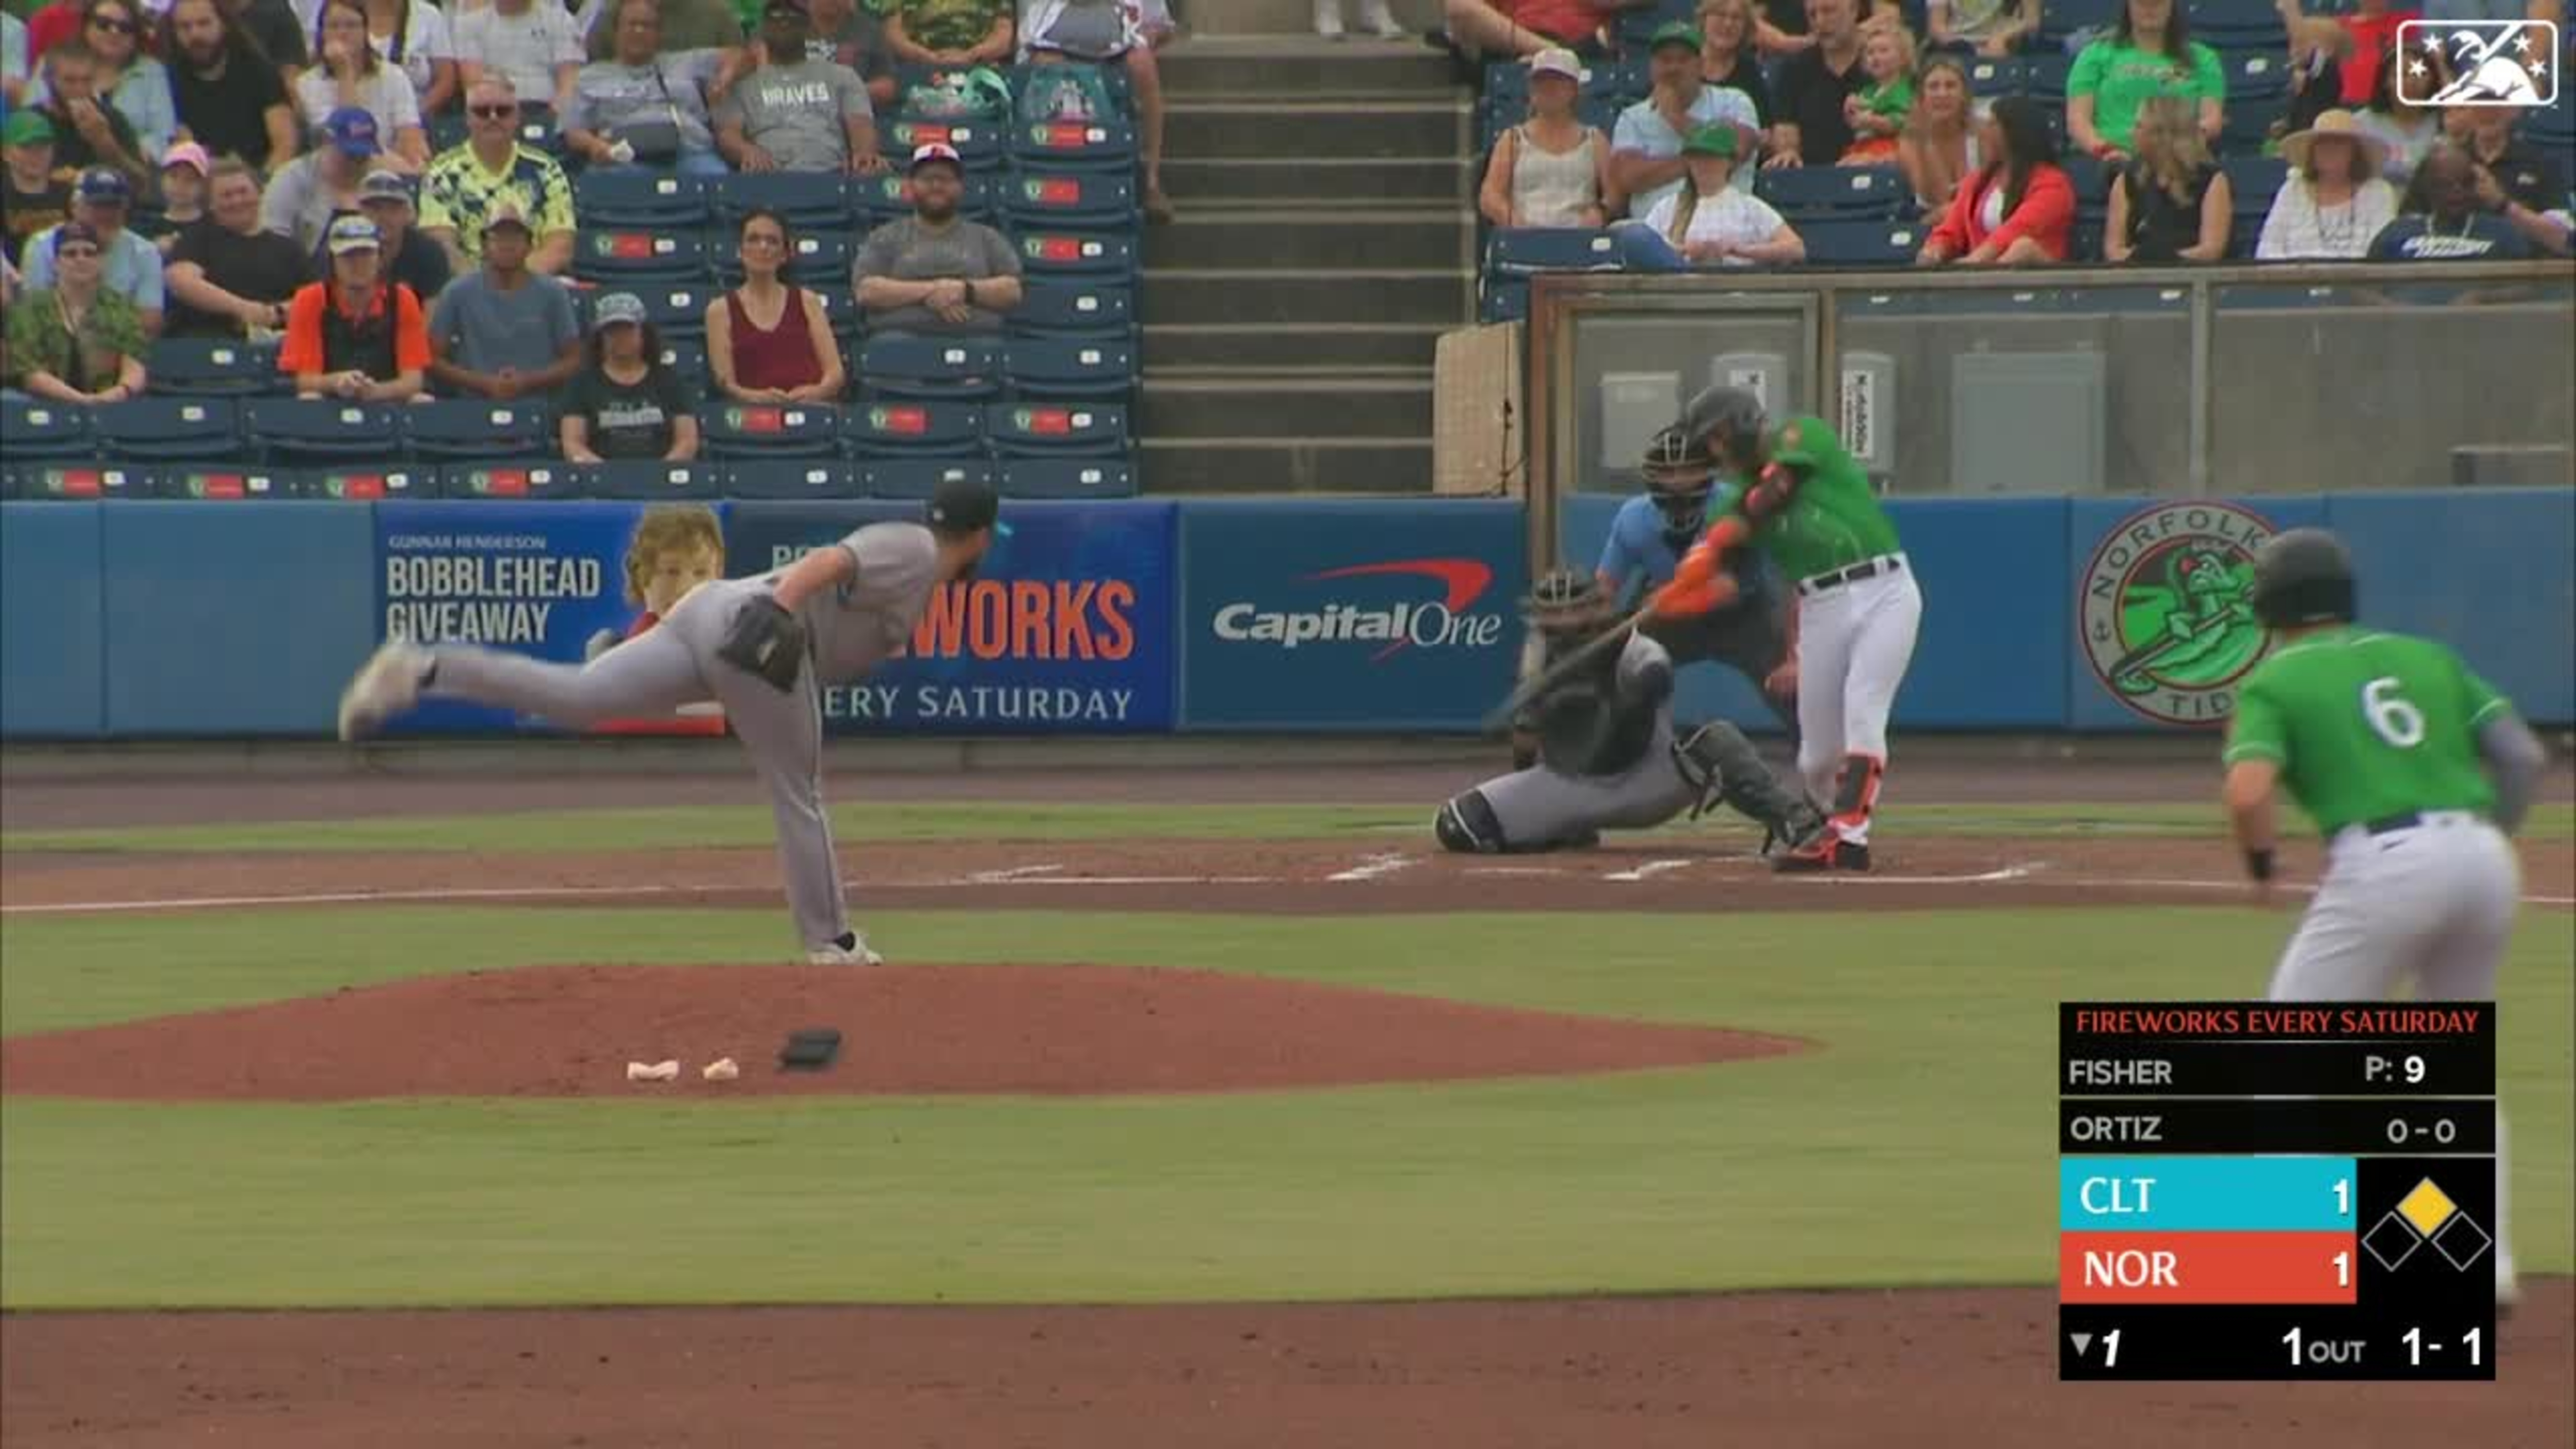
[(1557, 60), (505, 211), (27, 128), (353, 130), (103, 186), (385, 186), (353, 234), (1676, 32), (1711, 140), (190, 155), (937, 152), (616, 308)]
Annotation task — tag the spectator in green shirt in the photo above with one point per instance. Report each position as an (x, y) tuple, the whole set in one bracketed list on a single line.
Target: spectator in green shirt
[(2150, 53), (76, 341), (951, 32)]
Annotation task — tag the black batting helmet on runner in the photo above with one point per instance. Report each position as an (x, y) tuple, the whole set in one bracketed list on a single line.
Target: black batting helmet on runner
[(2303, 576)]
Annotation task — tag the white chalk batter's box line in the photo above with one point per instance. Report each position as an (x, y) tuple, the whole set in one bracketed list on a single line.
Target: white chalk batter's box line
[(1376, 866)]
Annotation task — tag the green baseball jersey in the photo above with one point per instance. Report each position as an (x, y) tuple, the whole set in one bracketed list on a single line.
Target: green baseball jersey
[(1833, 519), (2365, 726)]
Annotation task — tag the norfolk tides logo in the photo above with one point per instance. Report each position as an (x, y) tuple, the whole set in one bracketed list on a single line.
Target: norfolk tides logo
[(2167, 610)]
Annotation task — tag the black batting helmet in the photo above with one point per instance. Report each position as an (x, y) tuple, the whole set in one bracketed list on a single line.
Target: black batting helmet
[(1726, 422), (2303, 576)]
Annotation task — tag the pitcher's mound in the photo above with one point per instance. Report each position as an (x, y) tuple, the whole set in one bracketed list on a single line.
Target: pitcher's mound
[(569, 1031)]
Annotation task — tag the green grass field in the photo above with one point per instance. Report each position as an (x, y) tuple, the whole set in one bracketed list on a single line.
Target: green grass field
[(1917, 1146)]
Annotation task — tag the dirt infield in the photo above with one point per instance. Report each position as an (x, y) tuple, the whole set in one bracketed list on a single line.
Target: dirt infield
[(1857, 1370), (1057, 1030)]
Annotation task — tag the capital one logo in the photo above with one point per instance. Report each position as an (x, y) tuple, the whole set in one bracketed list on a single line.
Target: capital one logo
[(1443, 621), (2510, 63)]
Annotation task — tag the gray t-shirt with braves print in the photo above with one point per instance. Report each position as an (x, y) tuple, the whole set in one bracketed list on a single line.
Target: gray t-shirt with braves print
[(870, 617), (798, 113)]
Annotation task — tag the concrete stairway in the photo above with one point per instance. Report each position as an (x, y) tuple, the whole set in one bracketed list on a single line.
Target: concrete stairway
[(1324, 244)]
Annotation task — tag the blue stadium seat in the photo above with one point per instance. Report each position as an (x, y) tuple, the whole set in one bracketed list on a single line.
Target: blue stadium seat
[(2059, 19), (1506, 299), (1074, 309), (215, 367), (917, 477), (613, 258), (1991, 77), (2239, 26), (1507, 83), (1113, 79), (1620, 82), (622, 198), (2553, 127), (1835, 193), (2261, 74), (807, 199), (234, 482), (318, 431), (1068, 478), (2092, 184), (504, 482), (766, 430), (889, 197), (791, 478), (819, 260), (1070, 369), (651, 480), (2253, 181), (1061, 146), (75, 480), (457, 430), (675, 310), (884, 427), (2044, 78), (1863, 243), (1050, 252), (840, 307), (1525, 251), (979, 144), (1056, 430), (959, 368), (34, 431), (166, 430), (685, 356), (369, 482), (1078, 201)]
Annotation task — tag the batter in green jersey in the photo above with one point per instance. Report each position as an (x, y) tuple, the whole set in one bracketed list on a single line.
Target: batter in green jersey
[(2414, 768), (1808, 504)]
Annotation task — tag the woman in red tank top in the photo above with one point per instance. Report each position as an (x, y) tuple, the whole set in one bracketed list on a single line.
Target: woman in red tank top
[(767, 341)]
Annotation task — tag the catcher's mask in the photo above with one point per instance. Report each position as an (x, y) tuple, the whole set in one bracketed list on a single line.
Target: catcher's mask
[(1680, 478), (1565, 603), (2303, 576)]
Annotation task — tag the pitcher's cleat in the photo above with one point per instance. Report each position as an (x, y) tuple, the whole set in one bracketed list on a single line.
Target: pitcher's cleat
[(388, 684), (850, 950)]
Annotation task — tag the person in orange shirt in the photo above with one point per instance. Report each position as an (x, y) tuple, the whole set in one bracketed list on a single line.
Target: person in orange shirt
[(355, 335)]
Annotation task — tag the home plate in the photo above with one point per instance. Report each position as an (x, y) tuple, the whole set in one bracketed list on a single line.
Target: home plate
[(2010, 872)]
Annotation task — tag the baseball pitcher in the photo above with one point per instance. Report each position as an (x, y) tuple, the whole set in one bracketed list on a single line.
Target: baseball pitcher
[(2414, 768), (1609, 756), (763, 647)]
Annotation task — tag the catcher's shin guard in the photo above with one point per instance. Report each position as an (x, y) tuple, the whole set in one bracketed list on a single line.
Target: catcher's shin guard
[(1718, 761), (1856, 796), (1466, 824)]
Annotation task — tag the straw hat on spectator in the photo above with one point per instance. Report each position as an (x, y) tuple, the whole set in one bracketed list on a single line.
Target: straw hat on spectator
[(2296, 146)]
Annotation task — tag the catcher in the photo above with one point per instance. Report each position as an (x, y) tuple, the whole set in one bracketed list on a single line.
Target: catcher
[(764, 647), (1609, 756)]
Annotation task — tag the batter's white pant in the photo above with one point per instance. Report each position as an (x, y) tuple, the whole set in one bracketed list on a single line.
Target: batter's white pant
[(656, 672), (2434, 903), (1854, 643)]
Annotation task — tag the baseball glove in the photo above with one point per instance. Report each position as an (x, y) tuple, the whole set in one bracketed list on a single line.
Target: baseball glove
[(765, 641)]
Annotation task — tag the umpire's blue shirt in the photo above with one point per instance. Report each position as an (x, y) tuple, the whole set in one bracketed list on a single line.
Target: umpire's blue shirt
[(1638, 545)]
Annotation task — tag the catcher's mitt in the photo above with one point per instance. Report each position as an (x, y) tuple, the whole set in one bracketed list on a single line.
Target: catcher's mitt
[(765, 641)]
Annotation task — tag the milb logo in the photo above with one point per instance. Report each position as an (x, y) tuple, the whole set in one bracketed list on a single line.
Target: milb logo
[(1441, 623)]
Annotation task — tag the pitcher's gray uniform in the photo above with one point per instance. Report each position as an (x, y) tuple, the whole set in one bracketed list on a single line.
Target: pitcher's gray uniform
[(849, 627), (1609, 756)]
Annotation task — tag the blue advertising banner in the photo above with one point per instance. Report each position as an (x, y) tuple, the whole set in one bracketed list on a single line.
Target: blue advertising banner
[(561, 581), (53, 634), (1349, 616), (2489, 571), (1066, 629)]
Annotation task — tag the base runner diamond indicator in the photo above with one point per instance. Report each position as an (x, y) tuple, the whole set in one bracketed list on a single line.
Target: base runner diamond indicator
[(2462, 1241), (2427, 1207), (2392, 1242)]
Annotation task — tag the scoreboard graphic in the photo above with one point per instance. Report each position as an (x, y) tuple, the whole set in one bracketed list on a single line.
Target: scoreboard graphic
[(2261, 1190)]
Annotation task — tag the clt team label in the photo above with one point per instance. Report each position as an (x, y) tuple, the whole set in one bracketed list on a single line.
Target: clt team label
[(2166, 610)]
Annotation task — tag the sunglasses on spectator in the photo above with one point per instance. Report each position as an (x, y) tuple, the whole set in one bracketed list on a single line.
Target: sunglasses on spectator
[(493, 113), (113, 25)]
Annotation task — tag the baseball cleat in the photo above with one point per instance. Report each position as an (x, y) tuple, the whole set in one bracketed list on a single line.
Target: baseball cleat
[(387, 685), (1851, 857), (850, 950), (1813, 859)]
